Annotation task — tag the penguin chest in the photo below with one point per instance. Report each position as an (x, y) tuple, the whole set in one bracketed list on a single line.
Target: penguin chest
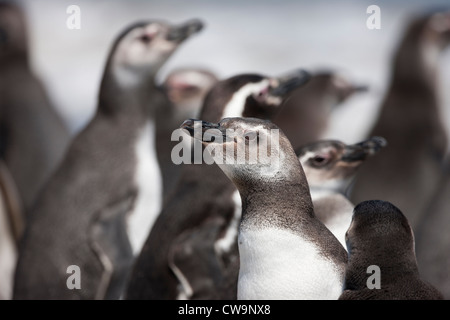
[(149, 185), (278, 264)]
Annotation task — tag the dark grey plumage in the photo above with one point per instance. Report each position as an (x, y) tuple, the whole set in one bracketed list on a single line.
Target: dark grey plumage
[(380, 235), (33, 136)]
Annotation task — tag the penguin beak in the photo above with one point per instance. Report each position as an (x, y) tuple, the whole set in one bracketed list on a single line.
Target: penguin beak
[(360, 151), (184, 31), (290, 82), (194, 126)]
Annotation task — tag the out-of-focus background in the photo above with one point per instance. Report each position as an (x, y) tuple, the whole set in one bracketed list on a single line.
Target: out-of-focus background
[(263, 36)]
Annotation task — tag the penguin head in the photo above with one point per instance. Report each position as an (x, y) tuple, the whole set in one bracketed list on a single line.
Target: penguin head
[(141, 50), (248, 150), (306, 113), (13, 35), (251, 95), (431, 30), (331, 164), (379, 226), (329, 85), (186, 89), (438, 28)]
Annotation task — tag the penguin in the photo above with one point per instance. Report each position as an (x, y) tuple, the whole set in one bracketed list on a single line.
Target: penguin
[(432, 241), (33, 135), (381, 238), (407, 172), (285, 251), (308, 110), (185, 90), (11, 227), (330, 167), (82, 218), (204, 201)]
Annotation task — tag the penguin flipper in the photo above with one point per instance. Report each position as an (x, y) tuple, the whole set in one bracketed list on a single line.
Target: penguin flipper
[(110, 242), (193, 260)]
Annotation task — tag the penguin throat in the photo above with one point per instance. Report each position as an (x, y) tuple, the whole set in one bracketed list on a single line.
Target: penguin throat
[(141, 98), (130, 78), (291, 200)]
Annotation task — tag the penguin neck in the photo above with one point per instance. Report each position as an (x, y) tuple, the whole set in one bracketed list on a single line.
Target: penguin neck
[(207, 175), (416, 62), (137, 99), (281, 203)]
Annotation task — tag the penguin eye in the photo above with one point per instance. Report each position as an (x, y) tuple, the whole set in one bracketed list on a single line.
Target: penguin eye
[(145, 38), (319, 160), (250, 136), (261, 94)]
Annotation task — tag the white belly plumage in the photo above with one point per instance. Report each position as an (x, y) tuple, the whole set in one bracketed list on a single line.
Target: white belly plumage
[(339, 226), (149, 182), (278, 264), (339, 220), (8, 254)]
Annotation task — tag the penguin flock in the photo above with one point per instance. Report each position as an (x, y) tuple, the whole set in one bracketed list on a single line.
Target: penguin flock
[(201, 188)]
